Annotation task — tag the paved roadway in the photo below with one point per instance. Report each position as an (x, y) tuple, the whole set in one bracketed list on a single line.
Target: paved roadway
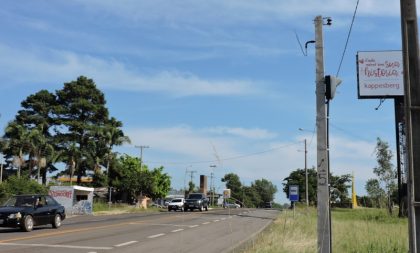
[(215, 231)]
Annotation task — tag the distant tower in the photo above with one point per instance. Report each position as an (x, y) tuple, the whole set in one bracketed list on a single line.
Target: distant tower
[(203, 184), (353, 194)]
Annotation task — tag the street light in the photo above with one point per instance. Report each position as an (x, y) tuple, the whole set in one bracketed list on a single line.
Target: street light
[(306, 171), (211, 183)]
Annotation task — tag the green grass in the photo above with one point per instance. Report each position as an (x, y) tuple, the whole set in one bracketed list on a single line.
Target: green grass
[(353, 230)]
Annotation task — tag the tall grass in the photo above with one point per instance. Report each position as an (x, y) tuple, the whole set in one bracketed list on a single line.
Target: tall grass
[(353, 230)]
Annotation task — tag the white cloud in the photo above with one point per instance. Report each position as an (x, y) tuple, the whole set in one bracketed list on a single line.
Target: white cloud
[(50, 66), (255, 133)]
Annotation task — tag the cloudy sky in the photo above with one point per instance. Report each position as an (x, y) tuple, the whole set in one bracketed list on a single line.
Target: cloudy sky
[(214, 82)]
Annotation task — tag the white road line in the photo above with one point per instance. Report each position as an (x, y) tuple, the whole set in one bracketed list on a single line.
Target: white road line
[(125, 243), (154, 236), (56, 246), (205, 223), (156, 224), (177, 230), (193, 226), (223, 218), (216, 221)]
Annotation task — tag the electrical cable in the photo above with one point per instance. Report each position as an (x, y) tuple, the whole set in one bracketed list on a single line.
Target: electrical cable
[(347, 40), (229, 158)]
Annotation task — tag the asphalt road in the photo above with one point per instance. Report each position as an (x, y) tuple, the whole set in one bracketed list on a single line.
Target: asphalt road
[(215, 231)]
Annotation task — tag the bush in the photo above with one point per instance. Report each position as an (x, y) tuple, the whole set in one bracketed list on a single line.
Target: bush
[(23, 185)]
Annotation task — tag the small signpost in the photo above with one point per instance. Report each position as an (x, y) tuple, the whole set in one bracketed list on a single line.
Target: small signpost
[(294, 195)]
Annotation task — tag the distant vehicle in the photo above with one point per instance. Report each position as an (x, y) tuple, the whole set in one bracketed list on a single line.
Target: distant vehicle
[(231, 205), (196, 201), (268, 205), (176, 204), (27, 211)]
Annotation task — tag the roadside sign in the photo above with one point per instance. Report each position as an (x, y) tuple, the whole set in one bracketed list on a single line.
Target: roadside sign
[(380, 74), (226, 193), (294, 193)]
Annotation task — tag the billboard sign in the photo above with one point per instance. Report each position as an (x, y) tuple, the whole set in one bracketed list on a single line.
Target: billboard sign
[(380, 74), (294, 193)]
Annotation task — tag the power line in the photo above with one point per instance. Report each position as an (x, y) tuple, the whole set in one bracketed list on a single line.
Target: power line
[(229, 158), (348, 38)]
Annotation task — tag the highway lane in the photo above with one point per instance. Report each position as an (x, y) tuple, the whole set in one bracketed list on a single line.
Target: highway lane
[(219, 230)]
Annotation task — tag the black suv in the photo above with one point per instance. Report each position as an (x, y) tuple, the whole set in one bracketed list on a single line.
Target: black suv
[(196, 201)]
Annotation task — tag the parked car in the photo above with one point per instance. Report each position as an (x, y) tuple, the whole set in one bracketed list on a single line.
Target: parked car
[(231, 205), (268, 205), (27, 211), (176, 204), (196, 201)]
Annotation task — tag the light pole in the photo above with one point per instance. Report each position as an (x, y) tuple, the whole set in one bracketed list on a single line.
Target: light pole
[(306, 170), (211, 183)]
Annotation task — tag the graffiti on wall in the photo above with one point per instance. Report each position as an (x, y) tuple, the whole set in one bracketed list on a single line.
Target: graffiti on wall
[(82, 207)]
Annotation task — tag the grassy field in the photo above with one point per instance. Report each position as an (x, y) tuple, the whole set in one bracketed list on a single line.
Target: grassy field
[(359, 230)]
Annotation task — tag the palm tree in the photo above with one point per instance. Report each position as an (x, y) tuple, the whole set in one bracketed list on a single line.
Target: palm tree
[(18, 144), (114, 136)]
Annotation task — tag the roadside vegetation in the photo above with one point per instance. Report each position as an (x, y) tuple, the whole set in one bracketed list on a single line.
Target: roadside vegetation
[(369, 230), (103, 208)]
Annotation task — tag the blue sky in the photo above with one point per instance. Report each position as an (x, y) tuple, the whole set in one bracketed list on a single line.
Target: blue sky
[(210, 82)]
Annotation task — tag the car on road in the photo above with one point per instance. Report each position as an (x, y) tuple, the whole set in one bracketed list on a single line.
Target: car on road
[(27, 211), (196, 201), (176, 204), (268, 205), (231, 205)]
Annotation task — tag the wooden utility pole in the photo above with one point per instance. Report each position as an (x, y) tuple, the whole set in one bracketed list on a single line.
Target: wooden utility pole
[(410, 44), (141, 152)]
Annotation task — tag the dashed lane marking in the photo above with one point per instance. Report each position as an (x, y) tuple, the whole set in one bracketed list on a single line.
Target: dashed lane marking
[(125, 243), (193, 226), (56, 246), (205, 223), (155, 236), (177, 230)]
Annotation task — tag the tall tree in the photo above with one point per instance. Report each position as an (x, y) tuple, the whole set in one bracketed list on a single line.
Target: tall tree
[(112, 135), (375, 192), (297, 177), (81, 114), (265, 189), (38, 118), (385, 170), (234, 184), (140, 181), (16, 144), (339, 188)]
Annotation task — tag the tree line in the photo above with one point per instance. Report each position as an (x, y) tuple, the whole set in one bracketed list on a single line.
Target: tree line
[(72, 126), (257, 194), (381, 191)]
